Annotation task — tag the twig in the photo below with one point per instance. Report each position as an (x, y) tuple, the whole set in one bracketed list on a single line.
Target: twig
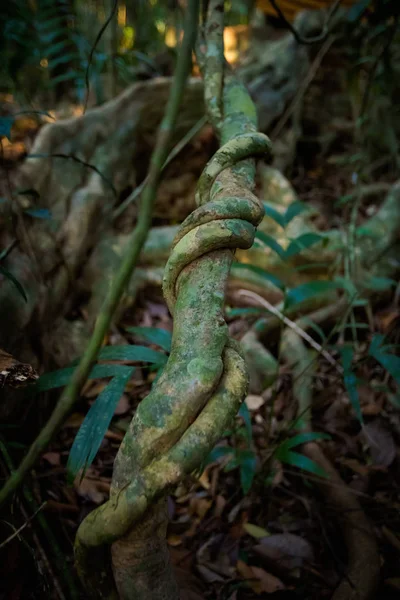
[(79, 161), (124, 273), (298, 37), (272, 309), (18, 531)]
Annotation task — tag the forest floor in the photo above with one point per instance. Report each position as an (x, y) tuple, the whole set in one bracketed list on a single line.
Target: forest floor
[(280, 539)]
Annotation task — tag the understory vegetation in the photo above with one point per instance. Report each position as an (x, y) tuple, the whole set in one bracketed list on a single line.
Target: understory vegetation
[(199, 292)]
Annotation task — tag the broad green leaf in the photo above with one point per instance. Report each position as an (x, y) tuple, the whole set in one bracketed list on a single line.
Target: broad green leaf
[(38, 213), (308, 290), (295, 209), (247, 462), (6, 124), (303, 462), (132, 353), (95, 425), (61, 377), (15, 281), (269, 241), (301, 243), (160, 337), (274, 214), (261, 273), (350, 380)]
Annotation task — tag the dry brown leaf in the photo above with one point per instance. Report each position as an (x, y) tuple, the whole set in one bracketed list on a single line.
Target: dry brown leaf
[(269, 583), (285, 549), (381, 443), (174, 540), (256, 531), (200, 506), (254, 402), (219, 505), (53, 458), (123, 405), (92, 389), (209, 575), (90, 489), (74, 421), (204, 480), (244, 570)]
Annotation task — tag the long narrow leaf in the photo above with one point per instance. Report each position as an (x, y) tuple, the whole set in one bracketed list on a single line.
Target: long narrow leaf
[(308, 290), (132, 353), (95, 425), (303, 462), (301, 243), (59, 378), (15, 281), (269, 241), (304, 438), (295, 209), (160, 337), (274, 214), (260, 273)]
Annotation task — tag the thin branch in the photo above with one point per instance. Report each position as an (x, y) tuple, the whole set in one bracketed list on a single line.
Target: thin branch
[(80, 162), (18, 531), (292, 325)]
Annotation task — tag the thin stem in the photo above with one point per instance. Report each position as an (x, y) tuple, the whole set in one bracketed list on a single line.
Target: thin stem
[(174, 152), (134, 247), (292, 325)]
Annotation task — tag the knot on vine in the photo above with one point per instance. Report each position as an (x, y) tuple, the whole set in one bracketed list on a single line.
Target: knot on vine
[(228, 222)]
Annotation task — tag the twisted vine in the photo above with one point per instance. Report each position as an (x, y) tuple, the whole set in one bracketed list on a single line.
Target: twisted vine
[(205, 379), (170, 442)]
